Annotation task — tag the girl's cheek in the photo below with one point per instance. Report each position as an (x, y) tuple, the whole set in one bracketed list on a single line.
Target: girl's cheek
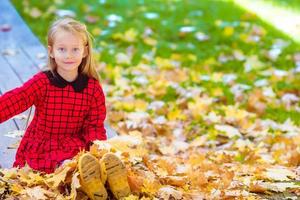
[(59, 54)]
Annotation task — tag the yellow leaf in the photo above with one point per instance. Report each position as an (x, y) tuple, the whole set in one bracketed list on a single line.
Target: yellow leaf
[(197, 178), (257, 188), (218, 22), (217, 77), (176, 56), (37, 193), (200, 107), (164, 63), (232, 112), (228, 130), (96, 31), (167, 192), (277, 186), (253, 62), (140, 105), (177, 181), (150, 41), (117, 36), (150, 187), (279, 174), (176, 114), (244, 37), (175, 75), (192, 57), (228, 31), (130, 35), (196, 160), (123, 105), (167, 165), (35, 12), (158, 88), (10, 173), (135, 182), (199, 141), (55, 179), (31, 178), (194, 77), (218, 92), (16, 188), (132, 143), (132, 197), (210, 61), (116, 116)]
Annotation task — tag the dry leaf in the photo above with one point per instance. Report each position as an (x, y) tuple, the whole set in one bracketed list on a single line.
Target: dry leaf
[(279, 174), (168, 192), (36, 193), (55, 179)]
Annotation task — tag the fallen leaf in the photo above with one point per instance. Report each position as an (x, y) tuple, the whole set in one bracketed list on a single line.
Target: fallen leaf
[(168, 192), (279, 174), (55, 179)]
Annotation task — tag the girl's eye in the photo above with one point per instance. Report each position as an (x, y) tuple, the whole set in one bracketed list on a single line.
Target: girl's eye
[(61, 49), (76, 49)]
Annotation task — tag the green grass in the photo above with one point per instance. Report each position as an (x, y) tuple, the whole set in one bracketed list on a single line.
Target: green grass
[(280, 115), (207, 16), (288, 4), (201, 14)]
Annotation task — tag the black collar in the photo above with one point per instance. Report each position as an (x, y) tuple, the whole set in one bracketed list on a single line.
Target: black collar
[(78, 84)]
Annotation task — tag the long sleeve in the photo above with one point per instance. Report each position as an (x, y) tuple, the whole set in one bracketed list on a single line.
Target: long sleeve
[(21, 98), (93, 128)]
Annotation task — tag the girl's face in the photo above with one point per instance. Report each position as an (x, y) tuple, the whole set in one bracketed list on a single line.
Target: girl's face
[(68, 50)]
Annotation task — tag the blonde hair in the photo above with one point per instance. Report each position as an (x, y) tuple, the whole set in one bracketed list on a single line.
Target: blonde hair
[(88, 64)]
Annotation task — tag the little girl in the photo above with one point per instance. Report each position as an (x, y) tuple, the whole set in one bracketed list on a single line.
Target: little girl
[(70, 107)]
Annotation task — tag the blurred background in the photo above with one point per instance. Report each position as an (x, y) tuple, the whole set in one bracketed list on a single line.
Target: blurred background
[(204, 36)]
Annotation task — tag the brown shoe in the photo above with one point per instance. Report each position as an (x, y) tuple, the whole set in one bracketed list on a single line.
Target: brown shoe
[(116, 175), (90, 177)]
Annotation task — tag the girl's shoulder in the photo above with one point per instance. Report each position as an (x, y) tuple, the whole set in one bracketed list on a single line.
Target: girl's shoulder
[(94, 85), (39, 77), (92, 82)]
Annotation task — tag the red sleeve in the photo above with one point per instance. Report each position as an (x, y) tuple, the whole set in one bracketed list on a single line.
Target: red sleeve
[(21, 98), (93, 128)]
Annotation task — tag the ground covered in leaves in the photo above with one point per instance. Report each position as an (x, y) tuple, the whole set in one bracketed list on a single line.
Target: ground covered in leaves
[(206, 102)]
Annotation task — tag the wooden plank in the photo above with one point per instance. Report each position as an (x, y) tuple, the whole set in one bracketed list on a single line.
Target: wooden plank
[(8, 78), (20, 35), (39, 62), (8, 81), (21, 65), (7, 155), (109, 131), (20, 31)]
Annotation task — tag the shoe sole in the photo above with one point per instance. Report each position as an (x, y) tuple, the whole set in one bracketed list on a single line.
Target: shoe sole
[(90, 175), (116, 175)]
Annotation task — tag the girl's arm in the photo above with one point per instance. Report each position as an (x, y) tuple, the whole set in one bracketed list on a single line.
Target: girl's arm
[(21, 98), (93, 128)]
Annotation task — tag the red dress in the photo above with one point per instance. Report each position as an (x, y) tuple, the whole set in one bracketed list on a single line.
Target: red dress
[(68, 116)]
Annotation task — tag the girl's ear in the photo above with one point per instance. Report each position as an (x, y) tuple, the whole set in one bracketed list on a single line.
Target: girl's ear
[(85, 51), (50, 52)]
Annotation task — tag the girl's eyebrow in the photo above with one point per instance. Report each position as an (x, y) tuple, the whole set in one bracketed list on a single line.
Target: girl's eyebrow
[(77, 45)]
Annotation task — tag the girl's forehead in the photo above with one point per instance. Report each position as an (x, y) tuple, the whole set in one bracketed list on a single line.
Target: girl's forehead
[(63, 37)]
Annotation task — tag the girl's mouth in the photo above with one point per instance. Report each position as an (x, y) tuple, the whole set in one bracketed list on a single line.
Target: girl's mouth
[(68, 63)]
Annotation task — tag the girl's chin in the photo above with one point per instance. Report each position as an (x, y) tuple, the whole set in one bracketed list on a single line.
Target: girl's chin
[(68, 67)]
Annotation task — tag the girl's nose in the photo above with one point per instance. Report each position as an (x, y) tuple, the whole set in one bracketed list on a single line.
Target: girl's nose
[(68, 54)]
